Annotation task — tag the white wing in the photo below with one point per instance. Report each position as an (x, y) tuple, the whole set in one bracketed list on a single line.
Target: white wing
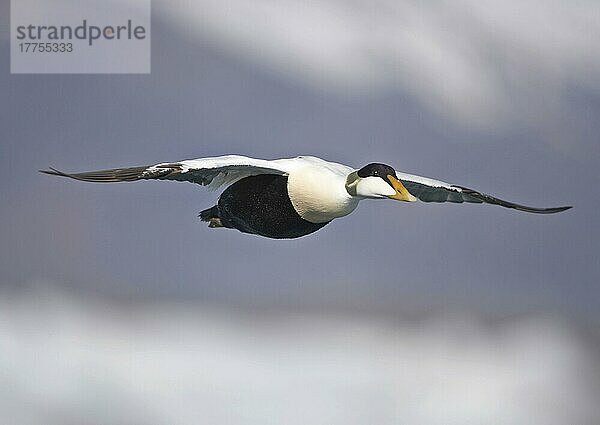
[(430, 190), (212, 172)]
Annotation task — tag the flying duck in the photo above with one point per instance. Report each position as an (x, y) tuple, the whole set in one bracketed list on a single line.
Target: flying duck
[(293, 197)]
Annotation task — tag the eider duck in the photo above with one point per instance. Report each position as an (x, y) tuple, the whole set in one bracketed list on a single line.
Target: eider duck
[(293, 197)]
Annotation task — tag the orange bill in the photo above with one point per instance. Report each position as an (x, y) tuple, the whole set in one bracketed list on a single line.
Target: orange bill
[(402, 194)]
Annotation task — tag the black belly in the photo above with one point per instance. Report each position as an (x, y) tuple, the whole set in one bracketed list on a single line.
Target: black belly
[(261, 205)]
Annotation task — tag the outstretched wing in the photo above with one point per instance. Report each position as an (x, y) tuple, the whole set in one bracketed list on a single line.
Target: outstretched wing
[(212, 172), (430, 190)]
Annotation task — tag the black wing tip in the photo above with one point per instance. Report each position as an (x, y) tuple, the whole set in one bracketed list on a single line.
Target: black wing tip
[(523, 208), (559, 209), (108, 176), (53, 172), (488, 199), (550, 210)]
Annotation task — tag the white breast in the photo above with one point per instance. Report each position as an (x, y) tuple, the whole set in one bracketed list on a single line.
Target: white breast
[(318, 193)]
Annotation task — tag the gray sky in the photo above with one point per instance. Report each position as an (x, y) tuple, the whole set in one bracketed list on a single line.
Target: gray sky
[(208, 97)]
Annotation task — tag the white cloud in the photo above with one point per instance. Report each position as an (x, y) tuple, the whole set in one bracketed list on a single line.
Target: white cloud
[(477, 63), (70, 360)]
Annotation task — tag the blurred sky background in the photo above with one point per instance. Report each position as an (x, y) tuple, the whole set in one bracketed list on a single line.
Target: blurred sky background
[(118, 306)]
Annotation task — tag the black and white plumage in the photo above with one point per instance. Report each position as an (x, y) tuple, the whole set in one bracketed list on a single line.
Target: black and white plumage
[(293, 197)]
